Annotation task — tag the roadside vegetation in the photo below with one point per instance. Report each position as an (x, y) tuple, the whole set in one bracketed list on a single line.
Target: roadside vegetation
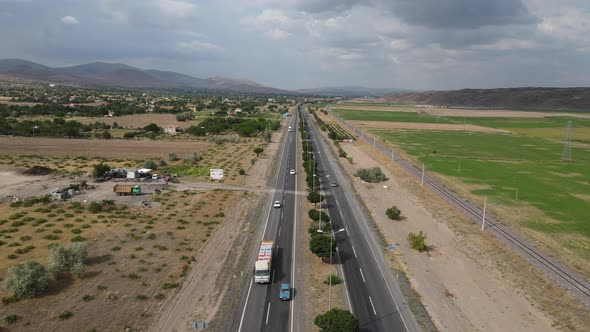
[(337, 320)]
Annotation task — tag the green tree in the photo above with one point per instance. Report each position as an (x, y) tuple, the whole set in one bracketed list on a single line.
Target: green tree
[(314, 197), (71, 259), (337, 320), (258, 150), (393, 213), (100, 170), (95, 207), (152, 128), (372, 175), (320, 245), (417, 241), (150, 164), (27, 280)]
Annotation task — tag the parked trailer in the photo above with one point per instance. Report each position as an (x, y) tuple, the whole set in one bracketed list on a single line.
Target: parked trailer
[(127, 189)]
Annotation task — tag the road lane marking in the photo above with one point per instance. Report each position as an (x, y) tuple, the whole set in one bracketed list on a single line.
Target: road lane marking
[(370, 300), (268, 311), (244, 311), (362, 276), (282, 214), (279, 231), (354, 251)]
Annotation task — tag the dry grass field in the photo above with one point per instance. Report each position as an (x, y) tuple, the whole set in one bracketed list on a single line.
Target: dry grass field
[(139, 120), (111, 149), (137, 257)]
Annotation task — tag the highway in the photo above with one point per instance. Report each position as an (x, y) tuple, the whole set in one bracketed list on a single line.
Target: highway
[(261, 309), (373, 294)]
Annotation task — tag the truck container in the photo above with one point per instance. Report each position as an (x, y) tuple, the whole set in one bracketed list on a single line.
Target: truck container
[(263, 265), (127, 189)]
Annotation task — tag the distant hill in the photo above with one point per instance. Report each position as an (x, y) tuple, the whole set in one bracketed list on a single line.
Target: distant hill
[(120, 75), (514, 98), (346, 91)]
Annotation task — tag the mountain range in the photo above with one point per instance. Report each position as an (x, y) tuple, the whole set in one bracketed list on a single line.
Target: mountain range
[(101, 74), (512, 98), (346, 91)]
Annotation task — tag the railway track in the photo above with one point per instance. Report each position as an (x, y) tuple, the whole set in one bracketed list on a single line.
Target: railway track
[(553, 269)]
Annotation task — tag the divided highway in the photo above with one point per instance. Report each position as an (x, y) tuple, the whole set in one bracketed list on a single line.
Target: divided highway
[(373, 294), (261, 309)]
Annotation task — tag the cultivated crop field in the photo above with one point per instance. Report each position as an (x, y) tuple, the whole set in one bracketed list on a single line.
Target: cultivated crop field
[(519, 170), (136, 257)]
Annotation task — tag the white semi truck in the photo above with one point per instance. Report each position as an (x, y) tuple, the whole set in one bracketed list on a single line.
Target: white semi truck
[(263, 265)]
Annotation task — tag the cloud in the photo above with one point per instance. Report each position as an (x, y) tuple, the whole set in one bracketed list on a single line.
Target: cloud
[(198, 46), (148, 12), (69, 20)]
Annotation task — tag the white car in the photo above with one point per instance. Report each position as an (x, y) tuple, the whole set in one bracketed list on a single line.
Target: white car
[(292, 172), (277, 204)]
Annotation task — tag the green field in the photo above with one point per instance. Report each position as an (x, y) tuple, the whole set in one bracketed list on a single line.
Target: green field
[(357, 115), (501, 163)]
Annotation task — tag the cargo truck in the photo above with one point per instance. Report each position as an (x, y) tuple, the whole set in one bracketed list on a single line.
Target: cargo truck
[(263, 264), (127, 189)]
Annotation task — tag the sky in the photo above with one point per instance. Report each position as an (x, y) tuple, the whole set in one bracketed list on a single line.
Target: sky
[(398, 44)]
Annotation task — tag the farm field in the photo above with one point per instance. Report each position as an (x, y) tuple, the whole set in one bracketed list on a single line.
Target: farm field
[(356, 115), (138, 120), (136, 257), (458, 112), (515, 172)]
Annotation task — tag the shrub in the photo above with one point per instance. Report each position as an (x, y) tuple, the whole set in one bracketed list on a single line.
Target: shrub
[(150, 164), (159, 296), (320, 245), (100, 170), (10, 319), (141, 297), (64, 260), (337, 320), (87, 298), (172, 156), (27, 280), (417, 241), (95, 207), (314, 197), (258, 150), (66, 315), (335, 280), (170, 285), (241, 171), (315, 215), (372, 175), (393, 213)]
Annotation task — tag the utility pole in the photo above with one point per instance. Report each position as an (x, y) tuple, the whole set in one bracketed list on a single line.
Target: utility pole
[(483, 217), (422, 174)]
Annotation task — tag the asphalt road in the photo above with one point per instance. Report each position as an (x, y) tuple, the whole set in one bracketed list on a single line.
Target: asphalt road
[(374, 296), (261, 308)]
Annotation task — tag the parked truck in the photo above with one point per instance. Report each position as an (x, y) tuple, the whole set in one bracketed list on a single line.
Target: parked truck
[(263, 265), (127, 189)]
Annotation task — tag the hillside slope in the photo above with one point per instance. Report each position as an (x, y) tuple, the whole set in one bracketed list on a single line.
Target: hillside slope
[(514, 98), (120, 75)]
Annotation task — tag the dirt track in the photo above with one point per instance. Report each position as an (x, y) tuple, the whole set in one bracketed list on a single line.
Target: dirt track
[(424, 126)]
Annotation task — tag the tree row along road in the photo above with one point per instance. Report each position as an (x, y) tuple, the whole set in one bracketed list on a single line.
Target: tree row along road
[(568, 279), (373, 295)]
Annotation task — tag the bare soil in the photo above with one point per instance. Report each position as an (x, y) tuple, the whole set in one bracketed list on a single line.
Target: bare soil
[(424, 126), (467, 280), (127, 266), (113, 148)]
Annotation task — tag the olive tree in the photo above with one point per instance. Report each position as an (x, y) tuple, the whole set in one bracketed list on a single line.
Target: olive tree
[(27, 280)]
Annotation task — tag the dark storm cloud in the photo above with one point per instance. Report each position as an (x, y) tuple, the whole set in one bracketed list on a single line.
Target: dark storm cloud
[(461, 13)]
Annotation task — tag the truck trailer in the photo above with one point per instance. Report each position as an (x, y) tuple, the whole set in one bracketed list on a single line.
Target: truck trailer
[(127, 189), (263, 265)]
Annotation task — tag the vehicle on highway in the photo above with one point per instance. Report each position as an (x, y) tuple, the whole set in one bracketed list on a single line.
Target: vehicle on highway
[(263, 263), (290, 128), (277, 204), (292, 172), (285, 293), (333, 184)]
